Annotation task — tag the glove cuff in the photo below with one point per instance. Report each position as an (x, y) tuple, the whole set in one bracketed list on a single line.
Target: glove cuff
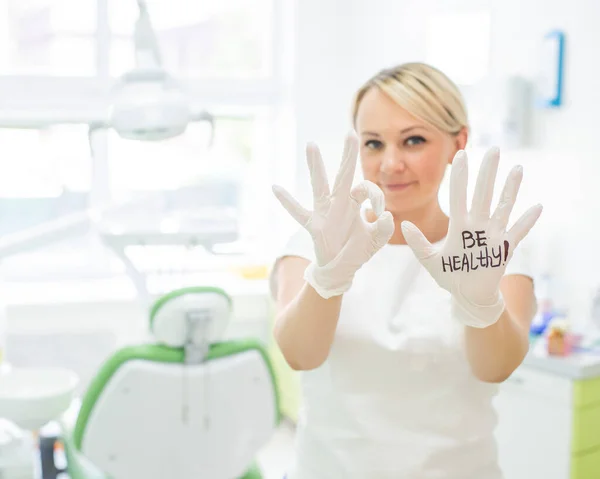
[(474, 315), (326, 282)]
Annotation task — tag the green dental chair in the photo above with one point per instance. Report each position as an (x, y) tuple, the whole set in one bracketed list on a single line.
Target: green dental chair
[(188, 406)]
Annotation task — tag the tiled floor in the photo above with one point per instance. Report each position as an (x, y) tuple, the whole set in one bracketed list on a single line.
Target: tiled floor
[(276, 456)]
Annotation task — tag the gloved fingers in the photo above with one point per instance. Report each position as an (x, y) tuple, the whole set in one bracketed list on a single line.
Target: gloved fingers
[(382, 229), (369, 190), (318, 178), (345, 175), (420, 245), (523, 225), (484, 188), (499, 220), (298, 212), (459, 177)]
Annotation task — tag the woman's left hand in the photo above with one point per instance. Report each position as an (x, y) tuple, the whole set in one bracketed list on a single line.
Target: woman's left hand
[(473, 258)]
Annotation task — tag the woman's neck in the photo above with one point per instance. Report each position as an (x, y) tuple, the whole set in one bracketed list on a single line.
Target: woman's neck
[(431, 220)]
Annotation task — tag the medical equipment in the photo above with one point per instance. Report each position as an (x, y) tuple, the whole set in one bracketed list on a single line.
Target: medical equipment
[(147, 103), (161, 248), (118, 232), (143, 223), (29, 399), (186, 405)]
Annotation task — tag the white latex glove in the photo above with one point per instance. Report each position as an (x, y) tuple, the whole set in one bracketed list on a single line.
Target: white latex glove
[(473, 258), (343, 240)]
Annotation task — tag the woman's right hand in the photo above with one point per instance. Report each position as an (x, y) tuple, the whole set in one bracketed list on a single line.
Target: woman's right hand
[(343, 239)]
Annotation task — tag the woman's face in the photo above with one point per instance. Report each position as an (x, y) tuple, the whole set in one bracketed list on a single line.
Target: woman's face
[(401, 154)]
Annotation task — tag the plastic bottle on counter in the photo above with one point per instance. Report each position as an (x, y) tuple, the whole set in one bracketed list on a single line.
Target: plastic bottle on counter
[(546, 310)]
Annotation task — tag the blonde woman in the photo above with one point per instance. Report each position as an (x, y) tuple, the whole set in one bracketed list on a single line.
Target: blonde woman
[(402, 319)]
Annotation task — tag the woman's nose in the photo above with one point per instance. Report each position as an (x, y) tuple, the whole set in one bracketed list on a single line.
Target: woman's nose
[(392, 161)]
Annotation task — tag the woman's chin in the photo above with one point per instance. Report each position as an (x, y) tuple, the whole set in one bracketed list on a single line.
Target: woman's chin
[(400, 208)]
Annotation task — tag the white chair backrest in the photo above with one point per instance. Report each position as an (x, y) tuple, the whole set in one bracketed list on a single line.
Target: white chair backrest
[(159, 420), (169, 317)]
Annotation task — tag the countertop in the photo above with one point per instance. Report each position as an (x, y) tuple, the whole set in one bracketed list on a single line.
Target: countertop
[(580, 365)]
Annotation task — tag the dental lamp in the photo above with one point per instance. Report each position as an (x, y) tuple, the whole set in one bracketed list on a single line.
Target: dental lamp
[(148, 104)]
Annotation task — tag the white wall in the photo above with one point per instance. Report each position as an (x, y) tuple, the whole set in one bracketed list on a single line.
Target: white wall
[(341, 43), (323, 82)]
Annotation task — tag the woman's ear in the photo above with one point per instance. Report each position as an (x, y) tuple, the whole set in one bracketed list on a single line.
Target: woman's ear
[(461, 138), (460, 141)]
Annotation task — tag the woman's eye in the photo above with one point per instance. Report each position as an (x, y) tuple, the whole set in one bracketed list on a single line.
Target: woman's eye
[(414, 140), (374, 144)]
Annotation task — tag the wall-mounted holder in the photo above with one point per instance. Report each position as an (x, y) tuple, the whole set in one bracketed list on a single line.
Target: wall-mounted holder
[(551, 74)]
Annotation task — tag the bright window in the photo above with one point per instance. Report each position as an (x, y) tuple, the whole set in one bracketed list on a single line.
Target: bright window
[(58, 62), (199, 39), (48, 37), (46, 174)]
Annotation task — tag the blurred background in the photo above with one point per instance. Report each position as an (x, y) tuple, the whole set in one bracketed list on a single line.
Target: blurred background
[(277, 74), (270, 75)]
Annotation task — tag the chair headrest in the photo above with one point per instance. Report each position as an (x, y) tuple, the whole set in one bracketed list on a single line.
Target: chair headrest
[(170, 316)]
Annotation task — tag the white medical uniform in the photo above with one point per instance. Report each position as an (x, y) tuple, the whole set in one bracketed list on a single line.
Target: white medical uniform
[(396, 397)]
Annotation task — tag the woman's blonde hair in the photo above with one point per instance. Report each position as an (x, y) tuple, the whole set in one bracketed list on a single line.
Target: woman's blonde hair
[(423, 91)]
